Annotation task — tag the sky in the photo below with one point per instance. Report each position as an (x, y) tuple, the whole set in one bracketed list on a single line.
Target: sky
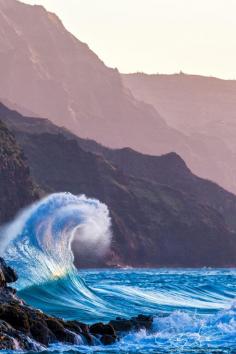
[(155, 36)]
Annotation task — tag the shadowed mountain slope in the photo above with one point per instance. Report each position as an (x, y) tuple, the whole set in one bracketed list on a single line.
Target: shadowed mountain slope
[(156, 221), (17, 189)]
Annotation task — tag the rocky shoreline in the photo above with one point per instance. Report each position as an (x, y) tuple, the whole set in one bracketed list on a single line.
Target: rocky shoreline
[(25, 328)]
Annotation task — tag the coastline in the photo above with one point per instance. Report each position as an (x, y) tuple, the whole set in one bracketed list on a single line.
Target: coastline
[(23, 327)]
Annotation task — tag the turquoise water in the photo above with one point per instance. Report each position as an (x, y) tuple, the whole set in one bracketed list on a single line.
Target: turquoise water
[(194, 310)]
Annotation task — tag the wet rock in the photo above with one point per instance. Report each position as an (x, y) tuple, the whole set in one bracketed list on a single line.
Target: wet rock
[(15, 316), (88, 338), (108, 339), (11, 339), (7, 274), (76, 327), (105, 332), (80, 328), (40, 332), (84, 327), (121, 325), (142, 321), (60, 332), (103, 329), (25, 328), (2, 278), (56, 328), (135, 323), (8, 343)]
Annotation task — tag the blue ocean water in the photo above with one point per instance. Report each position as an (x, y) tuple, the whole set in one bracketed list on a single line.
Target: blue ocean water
[(194, 309)]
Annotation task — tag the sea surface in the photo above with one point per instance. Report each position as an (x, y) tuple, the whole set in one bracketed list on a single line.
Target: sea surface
[(194, 310)]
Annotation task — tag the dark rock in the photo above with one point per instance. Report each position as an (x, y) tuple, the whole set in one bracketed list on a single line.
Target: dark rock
[(7, 342), (7, 274), (11, 339), (2, 278), (84, 327), (59, 330), (121, 325), (103, 329), (69, 337), (56, 328), (76, 327), (135, 323), (11, 290), (80, 328), (105, 332), (25, 328), (88, 338), (142, 321), (15, 316), (40, 332), (10, 275), (108, 339)]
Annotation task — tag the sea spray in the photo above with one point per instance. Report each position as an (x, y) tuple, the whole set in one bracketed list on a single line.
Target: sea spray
[(38, 243), (193, 310)]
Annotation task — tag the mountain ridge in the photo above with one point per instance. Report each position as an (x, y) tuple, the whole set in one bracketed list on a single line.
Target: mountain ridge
[(203, 108), (159, 222)]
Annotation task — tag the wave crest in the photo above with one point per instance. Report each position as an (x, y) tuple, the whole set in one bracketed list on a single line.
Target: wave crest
[(38, 243)]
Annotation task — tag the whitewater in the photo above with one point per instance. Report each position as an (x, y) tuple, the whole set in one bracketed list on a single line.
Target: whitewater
[(194, 309)]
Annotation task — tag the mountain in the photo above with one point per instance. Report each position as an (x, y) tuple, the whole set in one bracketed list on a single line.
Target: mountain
[(189, 103), (167, 169), (156, 221), (17, 189), (44, 69), (203, 108), (170, 170), (46, 72)]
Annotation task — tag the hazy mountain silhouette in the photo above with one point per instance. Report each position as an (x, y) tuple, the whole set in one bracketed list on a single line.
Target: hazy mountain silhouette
[(190, 103), (204, 108), (46, 70)]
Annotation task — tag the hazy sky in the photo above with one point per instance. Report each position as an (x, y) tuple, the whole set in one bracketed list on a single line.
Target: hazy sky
[(166, 36)]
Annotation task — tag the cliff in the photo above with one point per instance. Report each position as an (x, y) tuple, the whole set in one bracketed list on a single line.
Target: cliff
[(44, 69), (16, 186), (162, 214)]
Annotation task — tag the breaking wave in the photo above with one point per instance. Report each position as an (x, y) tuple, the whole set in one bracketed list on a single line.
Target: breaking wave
[(194, 310)]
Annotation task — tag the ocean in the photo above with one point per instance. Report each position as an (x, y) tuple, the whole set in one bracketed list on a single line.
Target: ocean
[(194, 310)]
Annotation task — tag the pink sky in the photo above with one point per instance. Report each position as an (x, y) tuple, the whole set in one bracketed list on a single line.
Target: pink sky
[(166, 36)]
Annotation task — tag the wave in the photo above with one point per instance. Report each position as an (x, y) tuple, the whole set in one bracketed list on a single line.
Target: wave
[(39, 241), (192, 309), (38, 244)]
